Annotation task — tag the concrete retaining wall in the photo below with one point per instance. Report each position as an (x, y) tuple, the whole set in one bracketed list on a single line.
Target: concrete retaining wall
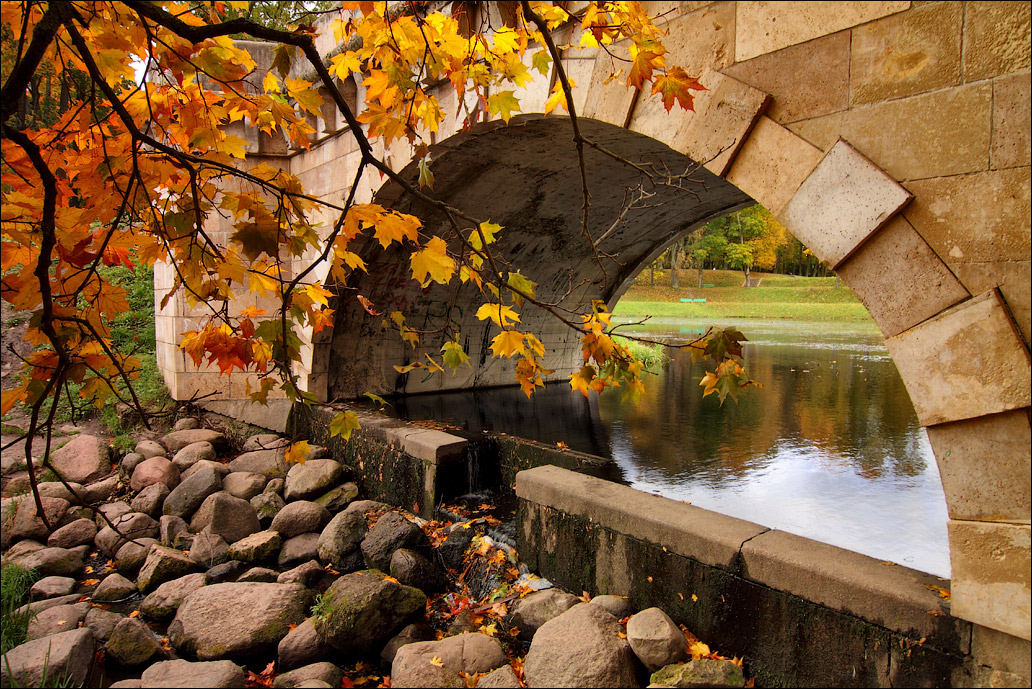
[(801, 613)]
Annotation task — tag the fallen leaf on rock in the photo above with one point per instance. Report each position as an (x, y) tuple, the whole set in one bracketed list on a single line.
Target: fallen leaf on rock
[(90, 582), (134, 613), (436, 660)]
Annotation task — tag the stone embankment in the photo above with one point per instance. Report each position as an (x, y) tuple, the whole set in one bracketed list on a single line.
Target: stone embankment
[(185, 564)]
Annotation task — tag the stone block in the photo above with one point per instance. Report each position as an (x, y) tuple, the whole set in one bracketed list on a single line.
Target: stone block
[(974, 218), (966, 362), (900, 299), (991, 569), (843, 202), (1001, 651), (806, 80), (724, 116), (984, 464), (609, 100), (763, 27), (907, 53), (1012, 278), (1012, 142), (996, 39), (895, 597), (711, 538), (434, 446), (941, 133), (772, 164)]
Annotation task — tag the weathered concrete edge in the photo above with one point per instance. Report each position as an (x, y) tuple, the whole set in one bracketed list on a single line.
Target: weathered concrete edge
[(894, 597)]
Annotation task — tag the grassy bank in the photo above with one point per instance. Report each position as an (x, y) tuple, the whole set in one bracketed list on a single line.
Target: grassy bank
[(777, 297)]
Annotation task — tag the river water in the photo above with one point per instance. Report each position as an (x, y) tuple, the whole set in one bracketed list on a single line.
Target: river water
[(829, 448)]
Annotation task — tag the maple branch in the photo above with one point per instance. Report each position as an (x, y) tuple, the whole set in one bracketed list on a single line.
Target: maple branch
[(28, 62)]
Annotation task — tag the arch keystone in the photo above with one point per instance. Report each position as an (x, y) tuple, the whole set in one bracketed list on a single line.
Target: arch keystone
[(845, 200)]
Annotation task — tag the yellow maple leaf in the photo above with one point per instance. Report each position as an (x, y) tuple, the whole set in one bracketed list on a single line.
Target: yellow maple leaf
[(498, 313), (298, 452), (436, 660), (507, 343), (432, 263)]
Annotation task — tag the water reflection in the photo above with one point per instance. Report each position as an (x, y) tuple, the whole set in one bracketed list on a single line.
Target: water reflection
[(829, 448)]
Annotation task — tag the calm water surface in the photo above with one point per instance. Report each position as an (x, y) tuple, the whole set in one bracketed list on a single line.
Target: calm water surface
[(829, 448)]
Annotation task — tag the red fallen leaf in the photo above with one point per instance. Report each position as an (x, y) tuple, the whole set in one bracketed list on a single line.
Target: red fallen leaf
[(367, 305)]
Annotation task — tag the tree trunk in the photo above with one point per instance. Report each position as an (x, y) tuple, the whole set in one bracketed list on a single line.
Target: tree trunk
[(675, 252), (700, 276), (652, 274)]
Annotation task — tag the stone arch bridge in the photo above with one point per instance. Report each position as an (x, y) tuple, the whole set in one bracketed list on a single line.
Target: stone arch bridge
[(892, 138)]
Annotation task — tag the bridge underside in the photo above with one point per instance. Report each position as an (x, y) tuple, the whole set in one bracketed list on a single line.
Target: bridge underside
[(526, 178)]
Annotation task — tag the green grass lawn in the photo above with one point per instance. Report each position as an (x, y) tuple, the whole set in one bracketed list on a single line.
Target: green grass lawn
[(777, 297)]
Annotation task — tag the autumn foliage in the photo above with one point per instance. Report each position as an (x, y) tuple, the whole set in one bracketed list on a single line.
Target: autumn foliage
[(134, 169)]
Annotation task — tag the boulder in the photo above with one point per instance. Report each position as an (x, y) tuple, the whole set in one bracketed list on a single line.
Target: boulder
[(187, 423), (202, 517), (130, 526), (193, 453), (275, 485), (163, 602), (336, 499), (41, 605), (500, 678), (129, 462), (243, 484), (177, 440), (226, 572), (300, 517), (149, 448), (169, 529), (131, 556), (619, 606), (101, 490), (222, 469), (78, 532), (392, 531), (112, 511), (533, 610), (66, 654), (340, 542), (269, 463), (582, 647), (265, 441), (261, 615), (61, 562), (412, 569), (308, 574), (51, 587), (298, 549), (327, 672), (468, 654), (302, 645), (83, 459), (267, 505), (232, 518), (56, 489), (162, 564), (655, 639), (113, 588), (262, 575), (151, 499), (705, 672), (209, 549), (181, 673), (451, 552), (132, 643), (101, 623), (258, 547), (25, 521), (360, 610), (59, 618), (154, 470), (311, 479), (410, 634), (192, 491)]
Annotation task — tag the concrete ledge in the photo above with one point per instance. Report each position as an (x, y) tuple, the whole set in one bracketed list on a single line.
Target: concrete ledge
[(894, 597), (710, 538)]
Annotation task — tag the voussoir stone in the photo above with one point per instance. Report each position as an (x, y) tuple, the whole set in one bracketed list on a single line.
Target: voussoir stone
[(363, 609), (533, 610), (582, 647), (340, 541), (391, 531), (78, 532), (163, 602), (191, 493), (154, 470), (151, 499), (66, 654), (224, 674), (193, 453), (244, 484), (130, 526), (469, 653), (302, 645), (132, 642), (149, 448), (177, 440), (655, 639), (258, 547), (83, 459), (300, 517), (113, 588), (232, 518), (163, 564), (261, 615), (311, 479)]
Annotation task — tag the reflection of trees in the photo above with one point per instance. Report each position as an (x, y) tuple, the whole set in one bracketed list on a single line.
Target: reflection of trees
[(851, 405)]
